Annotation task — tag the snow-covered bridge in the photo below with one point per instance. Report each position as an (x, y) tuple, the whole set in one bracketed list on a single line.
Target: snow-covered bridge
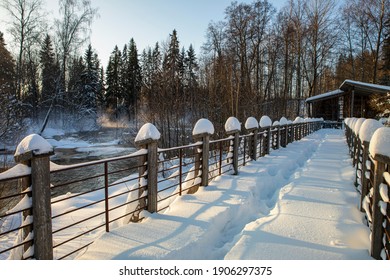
[(282, 191)]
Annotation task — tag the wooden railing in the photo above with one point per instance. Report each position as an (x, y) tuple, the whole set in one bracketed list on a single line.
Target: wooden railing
[(365, 140), (49, 211)]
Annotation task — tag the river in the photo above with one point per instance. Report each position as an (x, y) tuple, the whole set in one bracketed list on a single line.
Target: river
[(85, 147)]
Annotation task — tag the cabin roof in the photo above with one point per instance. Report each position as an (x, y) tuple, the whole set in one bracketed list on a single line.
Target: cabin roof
[(346, 87)]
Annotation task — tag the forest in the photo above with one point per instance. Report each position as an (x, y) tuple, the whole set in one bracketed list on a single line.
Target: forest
[(257, 61)]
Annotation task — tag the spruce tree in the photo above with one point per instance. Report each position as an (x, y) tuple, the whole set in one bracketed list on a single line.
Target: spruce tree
[(385, 77), (9, 106), (113, 82), (134, 79), (90, 81), (50, 73)]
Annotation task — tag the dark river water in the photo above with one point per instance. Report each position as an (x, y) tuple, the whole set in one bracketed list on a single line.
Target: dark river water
[(85, 147)]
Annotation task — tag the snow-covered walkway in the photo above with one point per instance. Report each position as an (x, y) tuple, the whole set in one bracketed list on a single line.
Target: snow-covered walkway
[(298, 202)]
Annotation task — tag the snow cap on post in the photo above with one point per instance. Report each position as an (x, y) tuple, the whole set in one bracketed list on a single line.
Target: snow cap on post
[(32, 145), (380, 142), (203, 126), (232, 125), (298, 120), (368, 128), (251, 123), (265, 121), (148, 133), (283, 121), (358, 124)]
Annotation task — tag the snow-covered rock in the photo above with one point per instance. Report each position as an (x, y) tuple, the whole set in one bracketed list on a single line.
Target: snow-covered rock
[(251, 123), (265, 121), (232, 124), (380, 142), (147, 131), (368, 128), (203, 126), (33, 143)]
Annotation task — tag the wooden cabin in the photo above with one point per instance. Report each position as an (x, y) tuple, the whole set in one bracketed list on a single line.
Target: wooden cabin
[(350, 100)]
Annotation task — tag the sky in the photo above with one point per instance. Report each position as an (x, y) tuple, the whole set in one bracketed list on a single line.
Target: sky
[(149, 21)]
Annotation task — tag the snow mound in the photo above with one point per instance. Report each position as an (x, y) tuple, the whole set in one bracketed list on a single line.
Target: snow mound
[(147, 131), (298, 120), (33, 143), (251, 123), (265, 121), (357, 125), (283, 121), (232, 124), (380, 142), (368, 128), (276, 123), (203, 126)]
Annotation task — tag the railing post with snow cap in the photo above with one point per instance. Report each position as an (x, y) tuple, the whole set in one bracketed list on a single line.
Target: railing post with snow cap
[(37, 151), (252, 126), (202, 131), (233, 128), (147, 138), (366, 132), (363, 176), (379, 151)]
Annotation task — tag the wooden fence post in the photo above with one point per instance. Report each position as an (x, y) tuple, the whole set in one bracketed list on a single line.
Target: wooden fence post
[(24, 185), (202, 160), (379, 144), (363, 178), (147, 138), (377, 217), (253, 143), (267, 140), (235, 142), (41, 199), (148, 172), (252, 126), (278, 134)]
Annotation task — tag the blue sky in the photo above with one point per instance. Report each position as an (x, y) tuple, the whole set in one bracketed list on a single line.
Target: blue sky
[(151, 21)]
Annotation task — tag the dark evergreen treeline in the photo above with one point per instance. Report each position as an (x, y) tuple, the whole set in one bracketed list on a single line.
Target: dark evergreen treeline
[(256, 61)]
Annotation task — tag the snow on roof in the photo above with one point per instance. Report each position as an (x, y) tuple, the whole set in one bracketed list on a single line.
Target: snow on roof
[(203, 126), (380, 142), (147, 131), (368, 128), (367, 86), (251, 123), (33, 143), (265, 121), (232, 124), (325, 95)]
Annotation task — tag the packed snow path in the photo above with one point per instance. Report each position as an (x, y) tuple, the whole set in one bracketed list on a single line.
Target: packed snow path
[(298, 202)]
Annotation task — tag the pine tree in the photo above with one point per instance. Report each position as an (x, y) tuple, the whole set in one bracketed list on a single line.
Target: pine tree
[(90, 81), (385, 77), (134, 77), (50, 73), (9, 107), (76, 102), (191, 81), (113, 82)]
